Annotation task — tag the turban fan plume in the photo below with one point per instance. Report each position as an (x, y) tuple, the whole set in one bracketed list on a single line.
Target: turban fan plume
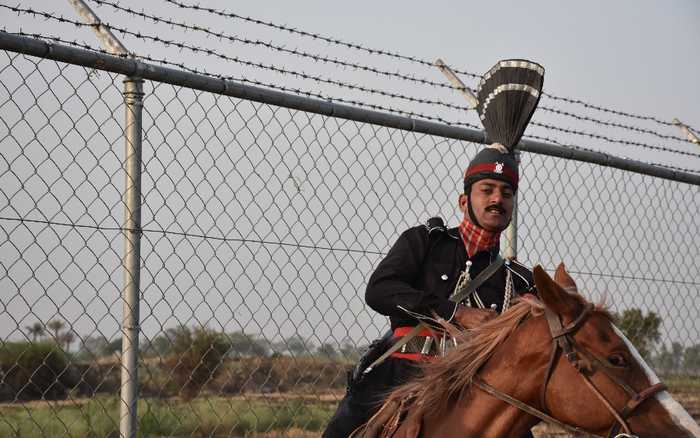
[(508, 95)]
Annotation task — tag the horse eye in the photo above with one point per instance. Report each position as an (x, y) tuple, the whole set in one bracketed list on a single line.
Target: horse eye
[(617, 360)]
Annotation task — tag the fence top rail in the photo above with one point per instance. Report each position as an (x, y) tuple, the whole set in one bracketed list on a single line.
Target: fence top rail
[(135, 68)]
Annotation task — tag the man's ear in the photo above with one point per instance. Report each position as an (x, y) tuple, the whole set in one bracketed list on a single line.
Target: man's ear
[(554, 296), (462, 202), (563, 279)]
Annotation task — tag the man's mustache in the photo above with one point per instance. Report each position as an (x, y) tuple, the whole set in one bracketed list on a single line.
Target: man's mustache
[(497, 208)]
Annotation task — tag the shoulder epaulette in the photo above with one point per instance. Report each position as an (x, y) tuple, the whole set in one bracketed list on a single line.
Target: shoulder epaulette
[(521, 271), (516, 263), (435, 224), (453, 233)]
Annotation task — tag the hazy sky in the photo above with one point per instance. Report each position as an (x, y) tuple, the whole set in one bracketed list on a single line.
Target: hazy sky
[(635, 57)]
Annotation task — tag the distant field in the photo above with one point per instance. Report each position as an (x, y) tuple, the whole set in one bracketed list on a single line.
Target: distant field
[(201, 417), (250, 415), (683, 384)]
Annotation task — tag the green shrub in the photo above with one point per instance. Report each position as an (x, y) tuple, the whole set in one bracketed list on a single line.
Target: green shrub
[(30, 371), (98, 377), (279, 374), (197, 356)]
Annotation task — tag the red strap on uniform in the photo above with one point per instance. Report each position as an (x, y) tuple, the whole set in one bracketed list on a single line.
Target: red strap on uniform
[(416, 357), (403, 331)]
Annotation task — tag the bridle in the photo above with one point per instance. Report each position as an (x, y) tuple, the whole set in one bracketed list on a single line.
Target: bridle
[(563, 342)]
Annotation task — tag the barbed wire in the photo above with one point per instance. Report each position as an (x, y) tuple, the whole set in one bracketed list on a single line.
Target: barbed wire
[(210, 52), (614, 140), (614, 124), (354, 102), (612, 111), (184, 67), (269, 45), (318, 57), (581, 148), (405, 58), (298, 91), (313, 35)]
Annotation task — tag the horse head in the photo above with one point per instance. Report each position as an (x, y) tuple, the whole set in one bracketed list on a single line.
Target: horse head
[(600, 383)]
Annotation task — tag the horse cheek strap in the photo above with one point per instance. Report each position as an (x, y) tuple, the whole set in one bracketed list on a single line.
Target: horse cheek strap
[(563, 341)]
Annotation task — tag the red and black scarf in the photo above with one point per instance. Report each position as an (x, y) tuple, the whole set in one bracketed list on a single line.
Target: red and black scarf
[(476, 238)]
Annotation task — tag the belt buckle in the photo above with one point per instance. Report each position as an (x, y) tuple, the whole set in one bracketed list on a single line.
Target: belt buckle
[(426, 345)]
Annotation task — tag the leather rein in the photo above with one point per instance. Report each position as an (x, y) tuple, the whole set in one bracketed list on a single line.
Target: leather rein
[(563, 342)]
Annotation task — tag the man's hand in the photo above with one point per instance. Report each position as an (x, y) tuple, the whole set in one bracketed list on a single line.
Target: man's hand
[(469, 317)]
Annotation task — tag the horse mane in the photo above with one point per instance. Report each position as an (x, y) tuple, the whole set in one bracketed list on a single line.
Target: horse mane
[(444, 381)]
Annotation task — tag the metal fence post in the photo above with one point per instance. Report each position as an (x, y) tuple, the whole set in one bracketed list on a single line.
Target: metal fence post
[(133, 98), (512, 230)]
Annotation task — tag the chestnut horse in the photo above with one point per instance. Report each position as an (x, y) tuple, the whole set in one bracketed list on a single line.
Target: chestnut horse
[(557, 358)]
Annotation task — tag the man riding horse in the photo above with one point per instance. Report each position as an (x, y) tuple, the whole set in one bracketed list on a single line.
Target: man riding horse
[(455, 274)]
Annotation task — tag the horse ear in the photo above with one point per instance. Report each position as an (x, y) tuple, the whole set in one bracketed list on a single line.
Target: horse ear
[(563, 279), (553, 295)]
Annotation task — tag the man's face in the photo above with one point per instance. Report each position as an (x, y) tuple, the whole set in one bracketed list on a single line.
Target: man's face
[(492, 203)]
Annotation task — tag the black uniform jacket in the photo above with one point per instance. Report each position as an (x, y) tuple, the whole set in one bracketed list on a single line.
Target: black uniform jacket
[(421, 270)]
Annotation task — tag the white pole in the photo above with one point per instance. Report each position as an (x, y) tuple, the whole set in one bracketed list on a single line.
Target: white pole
[(688, 133), (108, 40), (133, 98), (511, 250), (131, 262), (457, 82)]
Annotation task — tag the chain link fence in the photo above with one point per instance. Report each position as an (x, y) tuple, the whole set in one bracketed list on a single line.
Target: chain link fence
[(259, 228)]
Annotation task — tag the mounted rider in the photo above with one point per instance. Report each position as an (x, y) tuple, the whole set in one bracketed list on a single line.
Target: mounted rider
[(454, 274)]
